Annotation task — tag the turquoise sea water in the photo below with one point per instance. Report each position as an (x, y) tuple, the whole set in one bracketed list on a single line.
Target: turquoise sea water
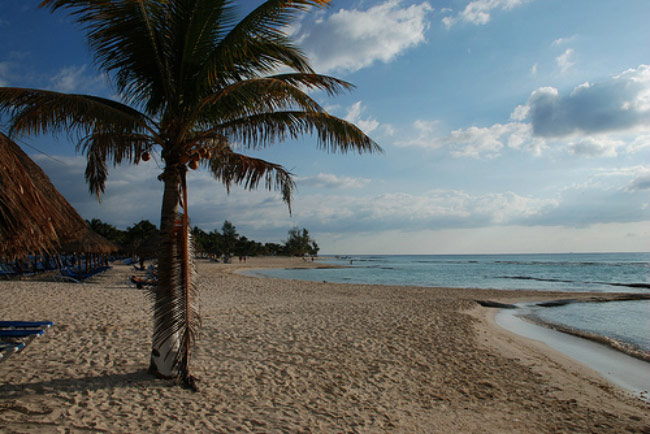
[(627, 322)]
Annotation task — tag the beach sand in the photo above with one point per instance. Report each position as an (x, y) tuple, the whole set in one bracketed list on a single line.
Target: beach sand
[(286, 356)]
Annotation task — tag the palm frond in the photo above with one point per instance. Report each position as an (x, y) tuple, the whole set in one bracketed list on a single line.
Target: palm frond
[(96, 171), (257, 44), (230, 167), (331, 85), (242, 99), (36, 111), (280, 92), (333, 134), (196, 26), (103, 147)]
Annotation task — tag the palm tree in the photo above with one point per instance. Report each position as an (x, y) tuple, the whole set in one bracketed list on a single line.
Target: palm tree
[(201, 86)]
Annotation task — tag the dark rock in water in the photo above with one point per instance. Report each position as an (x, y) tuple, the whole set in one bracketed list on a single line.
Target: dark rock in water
[(595, 299), (555, 303), (633, 285), (489, 303)]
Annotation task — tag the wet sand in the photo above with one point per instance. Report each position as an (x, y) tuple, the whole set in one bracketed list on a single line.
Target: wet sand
[(286, 356)]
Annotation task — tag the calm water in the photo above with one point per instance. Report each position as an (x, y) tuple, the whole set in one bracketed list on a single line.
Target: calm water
[(603, 272)]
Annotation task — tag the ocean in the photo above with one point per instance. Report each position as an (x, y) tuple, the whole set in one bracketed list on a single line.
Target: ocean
[(626, 322)]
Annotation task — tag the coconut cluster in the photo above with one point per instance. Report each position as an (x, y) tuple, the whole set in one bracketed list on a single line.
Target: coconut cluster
[(192, 161)]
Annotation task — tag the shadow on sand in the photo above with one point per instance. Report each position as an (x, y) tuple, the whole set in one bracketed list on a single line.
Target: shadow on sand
[(137, 379)]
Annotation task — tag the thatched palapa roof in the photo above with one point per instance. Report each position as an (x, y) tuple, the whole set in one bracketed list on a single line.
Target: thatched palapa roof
[(34, 216), (89, 242)]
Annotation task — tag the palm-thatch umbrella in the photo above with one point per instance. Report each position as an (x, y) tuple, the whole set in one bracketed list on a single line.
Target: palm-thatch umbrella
[(88, 241), (91, 244), (34, 216)]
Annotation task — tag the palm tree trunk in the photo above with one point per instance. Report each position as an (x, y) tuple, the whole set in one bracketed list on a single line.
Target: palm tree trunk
[(166, 335)]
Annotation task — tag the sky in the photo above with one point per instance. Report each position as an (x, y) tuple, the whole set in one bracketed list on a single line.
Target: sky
[(508, 126)]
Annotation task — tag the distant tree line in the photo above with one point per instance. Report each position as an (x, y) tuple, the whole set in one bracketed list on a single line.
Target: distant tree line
[(142, 238)]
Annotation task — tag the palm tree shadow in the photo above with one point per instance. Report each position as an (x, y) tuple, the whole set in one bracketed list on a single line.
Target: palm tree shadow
[(137, 379)]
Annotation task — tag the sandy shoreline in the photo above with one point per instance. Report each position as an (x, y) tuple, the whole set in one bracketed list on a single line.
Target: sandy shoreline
[(286, 356)]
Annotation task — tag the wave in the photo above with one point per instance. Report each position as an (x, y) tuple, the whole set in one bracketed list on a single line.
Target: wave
[(533, 263), (576, 263), (539, 279)]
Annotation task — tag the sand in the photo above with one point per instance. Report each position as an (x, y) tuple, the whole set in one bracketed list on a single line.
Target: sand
[(286, 356)]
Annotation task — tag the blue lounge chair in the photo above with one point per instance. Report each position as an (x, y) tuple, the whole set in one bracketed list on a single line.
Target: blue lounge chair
[(21, 333), (77, 277), (7, 271), (9, 348), (25, 324), (16, 335)]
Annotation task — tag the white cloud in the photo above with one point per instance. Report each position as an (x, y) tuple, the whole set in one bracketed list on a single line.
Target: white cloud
[(596, 119), (74, 79), (595, 147), (388, 130), (488, 142), (353, 115), (478, 12), (350, 39), (608, 196), (564, 61), (430, 210), (533, 69), (134, 193), (639, 143), (640, 183), (329, 180), (562, 41), (520, 113), (68, 79), (425, 136), (478, 142)]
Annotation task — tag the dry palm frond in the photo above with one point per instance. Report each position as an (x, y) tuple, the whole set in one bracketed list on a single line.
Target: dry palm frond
[(176, 308)]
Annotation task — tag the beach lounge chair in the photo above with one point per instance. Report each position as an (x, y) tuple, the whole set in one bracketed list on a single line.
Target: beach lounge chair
[(77, 277), (9, 348), (141, 283), (16, 335), (7, 271)]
